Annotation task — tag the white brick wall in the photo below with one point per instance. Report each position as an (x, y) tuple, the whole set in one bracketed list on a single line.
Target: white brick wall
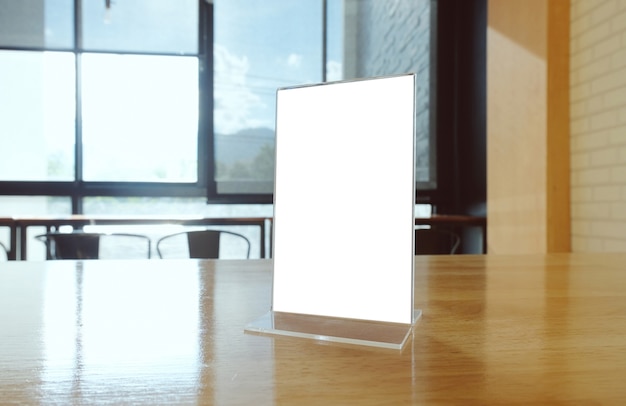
[(598, 125), (394, 37)]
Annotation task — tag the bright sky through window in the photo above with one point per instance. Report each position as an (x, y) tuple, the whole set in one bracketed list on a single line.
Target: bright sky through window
[(259, 47)]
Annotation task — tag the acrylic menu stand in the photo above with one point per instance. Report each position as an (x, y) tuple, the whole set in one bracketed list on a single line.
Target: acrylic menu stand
[(344, 213)]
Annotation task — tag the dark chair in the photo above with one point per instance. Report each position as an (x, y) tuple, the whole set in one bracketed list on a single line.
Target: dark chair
[(433, 241), (82, 245), (4, 252), (203, 244)]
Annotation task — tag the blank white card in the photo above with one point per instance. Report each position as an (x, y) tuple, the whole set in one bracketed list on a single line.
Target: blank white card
[(344, 199)]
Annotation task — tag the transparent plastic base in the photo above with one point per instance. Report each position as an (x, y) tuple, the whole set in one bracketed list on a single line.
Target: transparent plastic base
[(332, 329)]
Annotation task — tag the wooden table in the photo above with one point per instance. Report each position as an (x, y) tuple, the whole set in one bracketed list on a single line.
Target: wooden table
[(22, 223), (455, 222), (458, 220), (496, 330)]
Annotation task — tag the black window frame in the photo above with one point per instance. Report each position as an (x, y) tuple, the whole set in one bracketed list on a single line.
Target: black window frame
[(78, 188), (446, 14)]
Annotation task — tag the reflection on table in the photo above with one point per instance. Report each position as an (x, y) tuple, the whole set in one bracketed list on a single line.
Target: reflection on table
[(495, 330)]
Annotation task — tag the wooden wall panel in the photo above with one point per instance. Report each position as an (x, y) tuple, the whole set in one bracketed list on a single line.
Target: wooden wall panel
[(527, 208)]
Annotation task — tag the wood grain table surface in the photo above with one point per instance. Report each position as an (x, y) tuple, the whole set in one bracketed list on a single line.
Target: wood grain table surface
[(495, 330)]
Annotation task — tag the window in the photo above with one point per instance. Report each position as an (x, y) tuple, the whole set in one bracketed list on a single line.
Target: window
[(117, 102), (259, 46), (37, 115), (161, 98), (133, 129), (384, 38), (262, 45)]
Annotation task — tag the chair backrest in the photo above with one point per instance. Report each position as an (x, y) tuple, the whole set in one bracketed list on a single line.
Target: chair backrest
[(433, 241), (4, 252), (81, 245), (203, 244)]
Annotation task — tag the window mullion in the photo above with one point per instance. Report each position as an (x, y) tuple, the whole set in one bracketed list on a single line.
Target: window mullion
[(206, 136), (77, 196)]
